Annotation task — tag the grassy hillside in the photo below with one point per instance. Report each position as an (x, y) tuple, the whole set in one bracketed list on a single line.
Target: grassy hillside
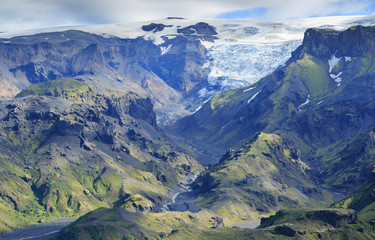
[(258, 179)]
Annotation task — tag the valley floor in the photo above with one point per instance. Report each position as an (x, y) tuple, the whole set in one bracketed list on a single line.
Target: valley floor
[(40, 231)]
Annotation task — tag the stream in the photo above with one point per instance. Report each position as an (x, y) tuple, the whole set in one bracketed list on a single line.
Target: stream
[(184, 198), (41, 231)]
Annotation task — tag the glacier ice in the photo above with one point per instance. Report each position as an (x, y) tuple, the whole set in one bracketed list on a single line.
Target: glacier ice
[(239, 65)]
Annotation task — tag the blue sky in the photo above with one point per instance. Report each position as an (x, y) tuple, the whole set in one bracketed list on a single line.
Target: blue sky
[(18, 15), (258, 13), (335, 8)]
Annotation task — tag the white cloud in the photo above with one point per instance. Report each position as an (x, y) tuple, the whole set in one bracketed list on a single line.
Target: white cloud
[(24, 14)]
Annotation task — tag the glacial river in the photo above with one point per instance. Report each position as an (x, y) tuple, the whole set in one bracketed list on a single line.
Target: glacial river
[(43, 231), (184, 198)]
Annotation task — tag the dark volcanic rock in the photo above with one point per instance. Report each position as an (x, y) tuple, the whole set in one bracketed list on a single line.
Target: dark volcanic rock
[(154, 27), (336, 218), (288, 230), (200, 28)]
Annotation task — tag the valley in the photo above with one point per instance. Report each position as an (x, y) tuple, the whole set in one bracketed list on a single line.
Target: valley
[(180, 129)]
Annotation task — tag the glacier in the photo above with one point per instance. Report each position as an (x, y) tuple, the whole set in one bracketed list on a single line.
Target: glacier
[(240, 65)]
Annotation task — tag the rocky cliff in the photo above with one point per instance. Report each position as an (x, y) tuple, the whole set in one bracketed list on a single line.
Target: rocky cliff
[(132, 64)]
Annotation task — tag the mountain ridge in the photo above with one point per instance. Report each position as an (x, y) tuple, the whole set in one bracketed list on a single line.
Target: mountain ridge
[(205, 57)]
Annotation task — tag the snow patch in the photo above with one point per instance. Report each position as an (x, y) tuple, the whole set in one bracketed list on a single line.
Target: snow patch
[(319, 102), (305, 103), (249, 89), (203, 92), (337, 77), (164, 50), (253, 97), (198, 108), (333, 62), (6, 41), (206, 101), (348, 59)]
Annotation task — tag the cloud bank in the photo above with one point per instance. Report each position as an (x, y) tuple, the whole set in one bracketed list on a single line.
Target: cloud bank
[(27, 14)]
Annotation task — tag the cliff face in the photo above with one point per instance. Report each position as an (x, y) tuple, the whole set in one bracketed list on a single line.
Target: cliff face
[(166, 73)]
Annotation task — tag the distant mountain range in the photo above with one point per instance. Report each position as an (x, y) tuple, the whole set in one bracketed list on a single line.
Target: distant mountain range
[(179, 63)]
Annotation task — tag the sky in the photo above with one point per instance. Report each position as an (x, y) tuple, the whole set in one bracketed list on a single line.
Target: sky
[(17, 15)]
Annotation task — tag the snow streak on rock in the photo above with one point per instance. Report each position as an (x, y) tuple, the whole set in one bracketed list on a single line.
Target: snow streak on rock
[(253, 97), (333, 62), (305, 103)]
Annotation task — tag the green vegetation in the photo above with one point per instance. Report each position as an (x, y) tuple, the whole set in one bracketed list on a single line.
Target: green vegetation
[(66, 158), (223, 99), (312, 71), (259, 178), (117, 223), (296, 138), (67, 88), (355, 156)]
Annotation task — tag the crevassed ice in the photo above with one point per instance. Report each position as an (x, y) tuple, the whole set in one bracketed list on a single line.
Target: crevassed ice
[(240, 65)]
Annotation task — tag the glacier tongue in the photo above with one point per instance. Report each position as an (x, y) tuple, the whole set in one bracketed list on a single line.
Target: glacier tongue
[(238, 65)]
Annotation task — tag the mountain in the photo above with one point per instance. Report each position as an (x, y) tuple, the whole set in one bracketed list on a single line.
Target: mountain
[(178, 63), (325, 69), (309, 125), (299, 138), (259, 178), (67, 149), (83, 131)]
